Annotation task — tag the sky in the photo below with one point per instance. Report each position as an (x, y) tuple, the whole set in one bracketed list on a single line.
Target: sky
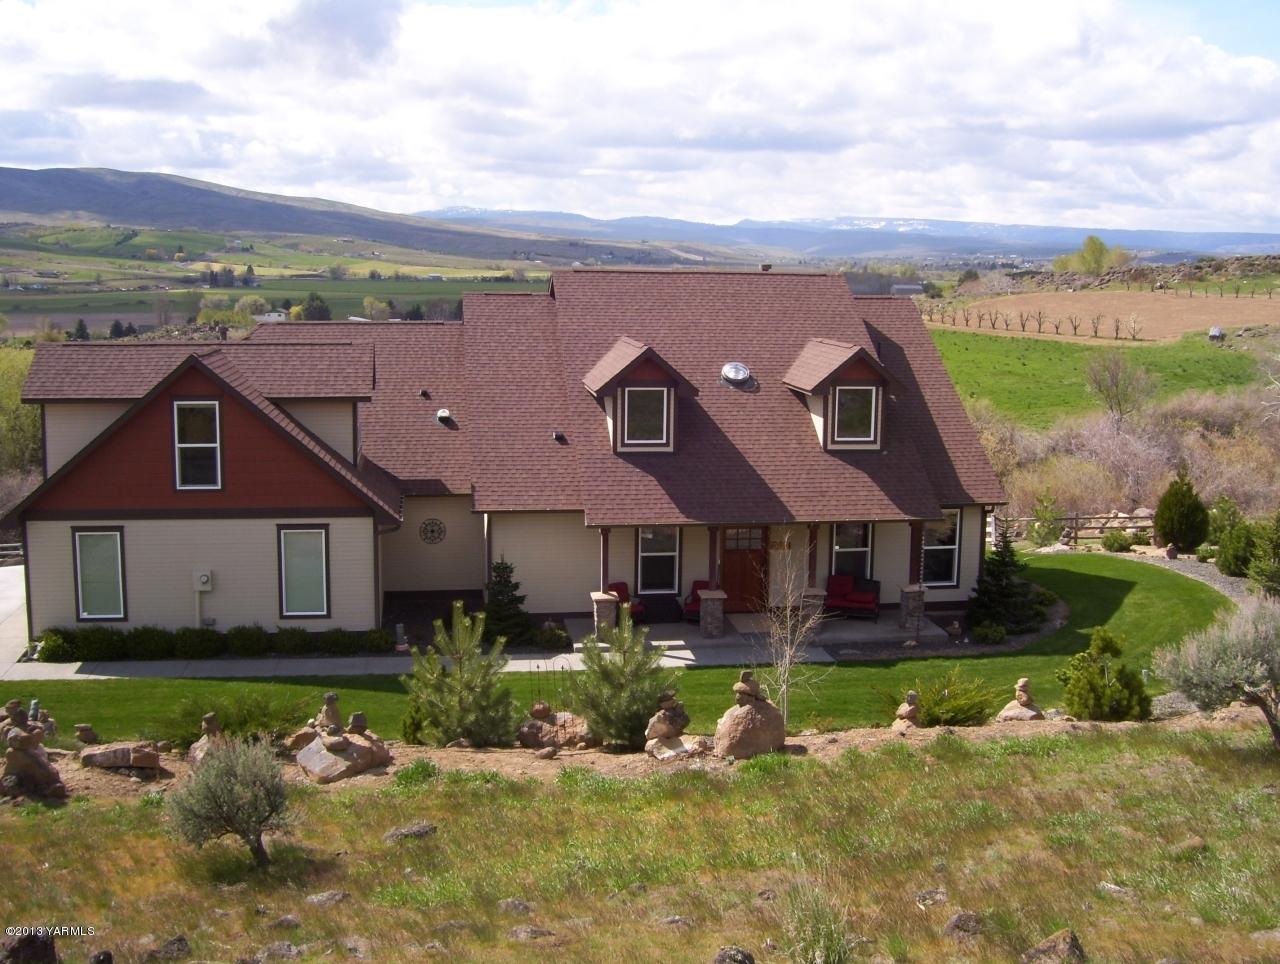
[(1099, 113)]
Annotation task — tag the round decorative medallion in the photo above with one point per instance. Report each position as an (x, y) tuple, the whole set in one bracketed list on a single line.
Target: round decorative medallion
[(432, 531)]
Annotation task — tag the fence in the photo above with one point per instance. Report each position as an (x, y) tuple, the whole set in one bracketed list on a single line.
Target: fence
[(10, 553), (1076, 528)]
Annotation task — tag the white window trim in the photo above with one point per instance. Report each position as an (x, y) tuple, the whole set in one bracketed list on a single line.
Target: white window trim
[(82, 615), (835, 411), (871, 544), (626, 415), (285, 611), (954, 550), (673, 553), (216, 445)]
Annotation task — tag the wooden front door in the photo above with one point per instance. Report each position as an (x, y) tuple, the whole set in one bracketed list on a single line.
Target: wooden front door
[(744, 568)]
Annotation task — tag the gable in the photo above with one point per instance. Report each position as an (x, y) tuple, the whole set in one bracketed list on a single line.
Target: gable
[(133, 470)]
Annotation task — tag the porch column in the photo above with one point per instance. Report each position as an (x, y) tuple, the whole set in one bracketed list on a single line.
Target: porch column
[(713, 556), (813, 555), (916, 551), (604, 559)]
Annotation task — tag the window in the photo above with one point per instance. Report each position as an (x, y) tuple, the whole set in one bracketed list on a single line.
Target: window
[(941, 551), (644, 417), (851, 549), (855, 414), (304, 571), (744, 539), (196, 438), (99, 558), (659, 565)]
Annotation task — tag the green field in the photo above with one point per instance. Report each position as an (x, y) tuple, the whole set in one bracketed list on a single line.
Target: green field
[(1038, 381), (1148, 605)]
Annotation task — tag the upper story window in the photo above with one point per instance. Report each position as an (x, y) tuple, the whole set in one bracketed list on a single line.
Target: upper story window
[(940, 565), (197, 445), (854, 417), (645, 418)]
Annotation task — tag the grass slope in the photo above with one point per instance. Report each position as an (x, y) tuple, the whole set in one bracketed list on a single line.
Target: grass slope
[(1038, 381), (1148, 605), (1021, 832)]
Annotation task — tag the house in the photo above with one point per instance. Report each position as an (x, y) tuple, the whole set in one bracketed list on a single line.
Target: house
[(650, 427), (274, 315)]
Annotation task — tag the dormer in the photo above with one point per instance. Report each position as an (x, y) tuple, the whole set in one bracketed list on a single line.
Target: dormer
[(638, 391), (844, 386)]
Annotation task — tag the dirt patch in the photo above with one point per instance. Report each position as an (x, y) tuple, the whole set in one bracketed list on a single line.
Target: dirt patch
[(1164, 314)]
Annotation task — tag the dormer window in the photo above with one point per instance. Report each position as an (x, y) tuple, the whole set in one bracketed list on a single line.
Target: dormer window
[(645, 418), (855, 416), (197, 445)]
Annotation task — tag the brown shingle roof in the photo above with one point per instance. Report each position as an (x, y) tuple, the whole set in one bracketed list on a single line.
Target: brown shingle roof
[(87, 370), (625, 354), (820, 360)]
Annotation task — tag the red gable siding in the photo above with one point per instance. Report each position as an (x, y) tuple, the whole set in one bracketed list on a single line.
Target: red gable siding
[(134, 468), (646, 371), (858, 371)]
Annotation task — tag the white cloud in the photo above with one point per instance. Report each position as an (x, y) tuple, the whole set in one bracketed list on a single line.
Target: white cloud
[(1086, 114)]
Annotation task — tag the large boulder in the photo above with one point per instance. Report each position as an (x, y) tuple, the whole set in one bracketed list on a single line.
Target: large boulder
[(750, 729), (555, 729), (326, 761), (141, 756), (666, 748), (1060, 948)]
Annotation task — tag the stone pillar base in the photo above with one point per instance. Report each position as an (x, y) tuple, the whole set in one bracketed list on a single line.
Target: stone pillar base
[(604, 609), (711, 613), (911, 599)]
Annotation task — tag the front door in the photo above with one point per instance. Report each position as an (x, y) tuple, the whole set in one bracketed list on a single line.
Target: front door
[(744, 568)]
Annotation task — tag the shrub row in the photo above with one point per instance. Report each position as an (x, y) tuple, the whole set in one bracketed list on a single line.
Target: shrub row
[(64, 645)]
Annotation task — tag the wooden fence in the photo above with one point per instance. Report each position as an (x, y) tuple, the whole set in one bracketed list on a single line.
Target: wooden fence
[(1078, 528)]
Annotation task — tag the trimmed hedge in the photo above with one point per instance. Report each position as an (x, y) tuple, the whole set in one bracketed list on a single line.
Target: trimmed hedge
[(106, 643)]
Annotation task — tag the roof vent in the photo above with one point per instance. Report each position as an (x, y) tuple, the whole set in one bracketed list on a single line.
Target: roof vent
[(443, 415), (766, 267), (735, 373)]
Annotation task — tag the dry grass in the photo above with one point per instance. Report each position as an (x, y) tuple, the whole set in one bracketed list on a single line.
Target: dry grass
[(1020, 831)]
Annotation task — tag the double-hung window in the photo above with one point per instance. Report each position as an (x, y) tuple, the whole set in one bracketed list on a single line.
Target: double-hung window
[(644, 416), (99, 563), (659, 562), (197, 445), (851, 549), (941, 551), (304, 571), (854, 415)]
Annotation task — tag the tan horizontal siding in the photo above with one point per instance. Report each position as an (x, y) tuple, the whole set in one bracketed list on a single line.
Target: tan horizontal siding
[(160, 555), (557, 558), (70, 426), (457, 562), (333, 422)]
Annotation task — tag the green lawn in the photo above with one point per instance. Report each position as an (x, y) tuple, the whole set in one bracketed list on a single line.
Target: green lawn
[(1038, 381), (1150, 606)]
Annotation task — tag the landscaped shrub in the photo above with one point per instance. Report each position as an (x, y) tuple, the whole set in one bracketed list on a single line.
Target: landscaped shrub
[(1235, 551), (1205, 552), (1140, 538), (1224, 515), (1002, 597), (248, 641), (238, 790), (193, 642), (1237, 657), (462, 695), (617, 691), (100, 643), (989, 634), (1099, 687), (552, 638), (1264, 564), (250, 710), (292, 641), (1047, 527), (955, 700), (1117, 540), (504, 608), (419, 773), (149, 642), (1181, 519), (379, 641), (58, 646), (341, 642)]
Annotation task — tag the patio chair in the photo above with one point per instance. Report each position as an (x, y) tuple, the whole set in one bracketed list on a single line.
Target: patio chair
[(620, 590), (853, 596), (693, 602)]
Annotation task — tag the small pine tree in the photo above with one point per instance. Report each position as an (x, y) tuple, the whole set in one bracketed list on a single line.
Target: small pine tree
[(1098, 687), (617, 691), (1224, 515), (456, 689), (1235, 551), (116, 330), (1264, 568), (1047, 527), (1181, 519), (1002, 596), (238, 790), (504, 608), (130, 330), (81, 332)]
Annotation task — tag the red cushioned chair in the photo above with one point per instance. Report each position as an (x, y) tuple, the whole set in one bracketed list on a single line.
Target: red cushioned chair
[(853, 596), (620, 590), (693, 602)]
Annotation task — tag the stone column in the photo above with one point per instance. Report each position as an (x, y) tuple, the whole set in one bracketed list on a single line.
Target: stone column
[(604, 609), (911, 599), (711, 613)]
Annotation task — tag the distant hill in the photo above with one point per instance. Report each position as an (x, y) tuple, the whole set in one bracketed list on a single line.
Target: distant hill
[(169, 201), (864, 237)]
